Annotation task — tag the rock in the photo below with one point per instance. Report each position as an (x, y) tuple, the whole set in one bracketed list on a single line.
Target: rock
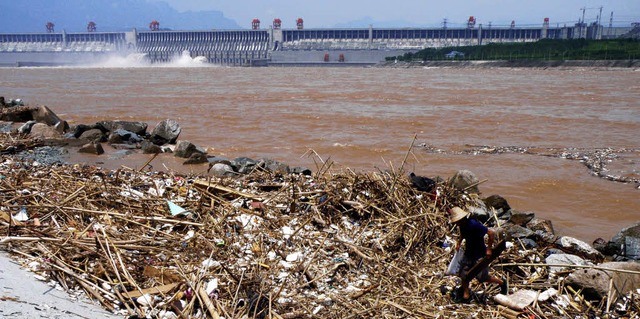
[(92, 148), (273, 166), (196, 158), (465, 180), (62, 127), (540, 224), (601, 245), (521, 218), (528, 243), (42, 114), (563, 259), (301, 170), (578, 247), (120, 136), (185, 149), (217, 159), (516, 231), (81, 128), (92, 135), (244, 165), (221, 170), (479, 211), (498, 203), (41, 130), (150, 148), (627, 242), (26, 127), (166, 132), (543, 236), (595, 282), (139, 128)]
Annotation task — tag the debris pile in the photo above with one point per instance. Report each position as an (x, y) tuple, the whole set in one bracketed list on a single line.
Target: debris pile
[(265, 246)]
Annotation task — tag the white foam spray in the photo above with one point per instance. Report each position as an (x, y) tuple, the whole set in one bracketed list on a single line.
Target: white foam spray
[(140, 60)]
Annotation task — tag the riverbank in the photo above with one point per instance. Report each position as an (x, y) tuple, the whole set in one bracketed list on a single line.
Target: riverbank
[(539, 64), (267, 242)]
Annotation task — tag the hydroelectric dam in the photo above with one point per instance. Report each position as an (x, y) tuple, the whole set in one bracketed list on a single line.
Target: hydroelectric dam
[(268, 47)]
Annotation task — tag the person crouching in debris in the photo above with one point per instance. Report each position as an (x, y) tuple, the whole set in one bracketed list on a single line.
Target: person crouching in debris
[(473, 233)]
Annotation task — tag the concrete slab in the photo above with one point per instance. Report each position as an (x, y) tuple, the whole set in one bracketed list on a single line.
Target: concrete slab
[(22, 296)]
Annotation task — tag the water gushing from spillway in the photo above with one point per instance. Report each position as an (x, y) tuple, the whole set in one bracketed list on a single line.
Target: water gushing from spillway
[(141, 60)]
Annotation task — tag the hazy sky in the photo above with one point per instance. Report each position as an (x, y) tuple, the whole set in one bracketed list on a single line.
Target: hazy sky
[(421, 12)]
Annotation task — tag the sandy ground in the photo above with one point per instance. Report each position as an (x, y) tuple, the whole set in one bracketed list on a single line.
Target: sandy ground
[(24, 296)]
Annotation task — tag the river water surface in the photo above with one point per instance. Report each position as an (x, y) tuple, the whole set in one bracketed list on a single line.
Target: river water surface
[(366, 118)]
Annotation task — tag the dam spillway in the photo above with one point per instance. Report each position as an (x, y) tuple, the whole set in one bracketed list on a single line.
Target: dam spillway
[(265, 46)]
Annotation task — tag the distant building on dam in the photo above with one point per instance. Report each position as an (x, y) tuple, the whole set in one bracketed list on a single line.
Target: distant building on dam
[(273, 46)]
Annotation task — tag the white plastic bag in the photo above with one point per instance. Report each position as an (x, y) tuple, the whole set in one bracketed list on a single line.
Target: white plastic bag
[(454, 265)]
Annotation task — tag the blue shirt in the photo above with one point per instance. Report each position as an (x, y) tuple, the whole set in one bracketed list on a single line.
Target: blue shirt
[(473, 233)]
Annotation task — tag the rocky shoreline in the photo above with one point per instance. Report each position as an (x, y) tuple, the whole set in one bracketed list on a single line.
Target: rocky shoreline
[(261, 239)]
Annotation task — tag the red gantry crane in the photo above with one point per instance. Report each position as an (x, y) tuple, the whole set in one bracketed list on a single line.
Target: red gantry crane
[(154, 25), (471, 23), (300, 24), (277, 24), (255, 24), (91, 27), (50, 26)]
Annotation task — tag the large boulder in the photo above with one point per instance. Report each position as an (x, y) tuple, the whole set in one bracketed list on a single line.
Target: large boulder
[(166, 132), (79, 129), (92, 148), (516, 231), (627, 242), (120, 136), (478, 210), (498, 203), (595, 282), (273, 166), (541, 224), (244, 165), (221, 170), (465, 180), (301, 170), (150, 148), (139, 128), (561, 262), (196, 158), (26, 127), (578, 247), (62, 127), (42, 114), (185, 149), (521, 218), (92, 135), (44, 131)]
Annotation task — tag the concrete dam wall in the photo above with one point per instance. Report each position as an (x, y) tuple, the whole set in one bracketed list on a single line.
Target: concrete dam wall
[(264, 47)]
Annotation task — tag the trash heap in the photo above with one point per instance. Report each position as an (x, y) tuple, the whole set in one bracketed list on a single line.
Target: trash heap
[(263, 245)]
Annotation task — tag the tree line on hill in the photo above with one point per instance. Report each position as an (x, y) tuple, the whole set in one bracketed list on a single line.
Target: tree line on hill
[(546, 49)]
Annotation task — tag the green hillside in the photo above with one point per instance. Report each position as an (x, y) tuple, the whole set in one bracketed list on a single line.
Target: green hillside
[(579, 49)]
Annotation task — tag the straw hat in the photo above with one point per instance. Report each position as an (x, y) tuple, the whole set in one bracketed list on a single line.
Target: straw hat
[(456, 214)]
